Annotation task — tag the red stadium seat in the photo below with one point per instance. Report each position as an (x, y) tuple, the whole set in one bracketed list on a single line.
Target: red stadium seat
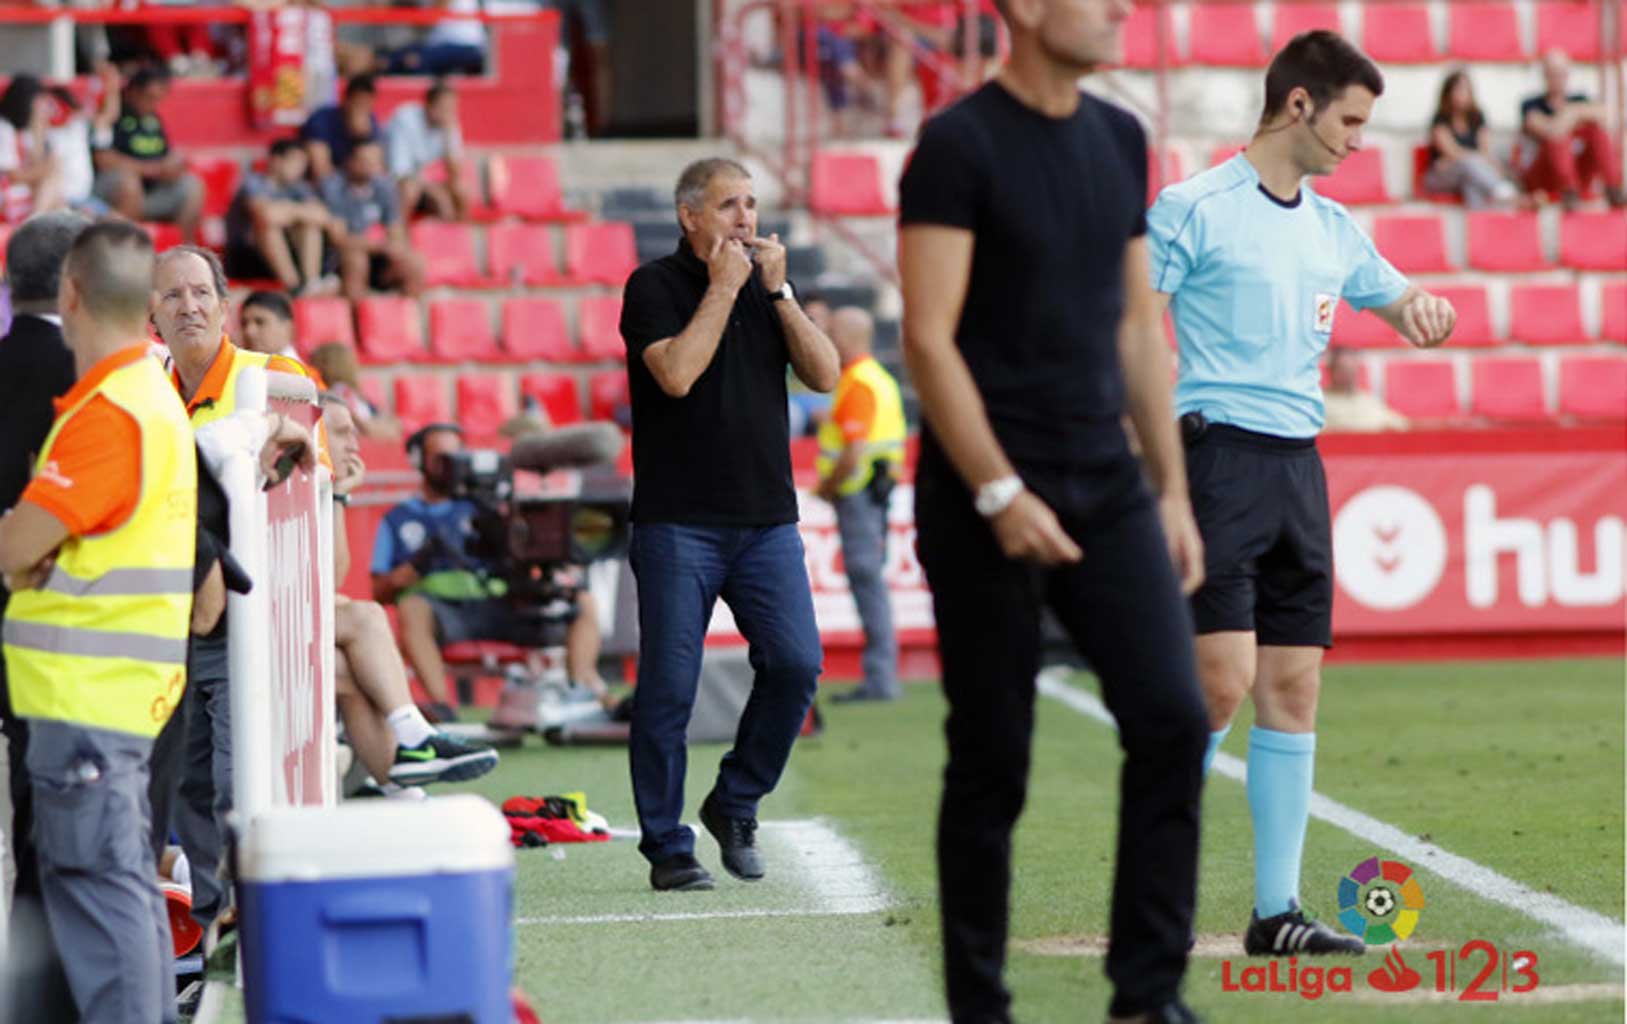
[(1508, 389), (1484, 32), (221, 176), (1594, 241), (557, 393), (847, 185), (1546, 314), (1420, 167), (602, 252), (1225, 151), (1505, 242), (1474, 327), (1398, 34), (1360, 179), (1362, 330), (449, 254), (460, 332), (1416, 245), (485, 402), (522, 253), (1225, 35), (1613, 312), (373, 389), (421, 399), (1593, 387), (1572, 27), (535, 329), (389, 329), (1141, 37), (1158, 177), (598, 328), (606, 392), (319, 321), (164, 236), (528, 187), (1290, 19), (1422, 389)]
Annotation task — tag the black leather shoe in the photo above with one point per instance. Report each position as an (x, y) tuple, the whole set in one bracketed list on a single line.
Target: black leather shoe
[(1172, 1012), (737, 837), (682, 873)]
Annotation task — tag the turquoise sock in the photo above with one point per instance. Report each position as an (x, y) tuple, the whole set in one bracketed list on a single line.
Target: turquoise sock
[(1280, 770), (1216, 738)]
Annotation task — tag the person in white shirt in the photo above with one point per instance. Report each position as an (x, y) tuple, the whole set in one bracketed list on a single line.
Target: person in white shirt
[(1347, 407), (422, 138)]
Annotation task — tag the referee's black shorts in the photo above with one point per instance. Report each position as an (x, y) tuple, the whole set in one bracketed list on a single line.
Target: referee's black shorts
[(1261, 503)]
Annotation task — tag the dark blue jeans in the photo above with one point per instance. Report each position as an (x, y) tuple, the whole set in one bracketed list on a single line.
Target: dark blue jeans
[(681, 572)]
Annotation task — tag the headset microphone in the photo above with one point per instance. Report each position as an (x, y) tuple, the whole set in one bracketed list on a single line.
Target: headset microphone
[(1300, 107)]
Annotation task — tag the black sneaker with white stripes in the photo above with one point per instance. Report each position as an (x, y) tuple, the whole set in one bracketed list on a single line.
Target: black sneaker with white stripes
[(1294, 934)]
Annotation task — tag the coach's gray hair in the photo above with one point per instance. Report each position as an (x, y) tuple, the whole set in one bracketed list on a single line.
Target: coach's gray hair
[(216, 271), (35, 253), (697, 177)]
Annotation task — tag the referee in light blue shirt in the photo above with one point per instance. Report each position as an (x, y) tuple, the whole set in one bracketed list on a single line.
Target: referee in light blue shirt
[(1253, 263)]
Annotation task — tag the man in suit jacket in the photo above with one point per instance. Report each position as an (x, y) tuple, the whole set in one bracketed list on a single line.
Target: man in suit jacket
[(35, 368)]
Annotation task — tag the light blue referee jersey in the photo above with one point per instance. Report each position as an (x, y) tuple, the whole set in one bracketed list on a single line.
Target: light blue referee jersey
[(1255, 285)]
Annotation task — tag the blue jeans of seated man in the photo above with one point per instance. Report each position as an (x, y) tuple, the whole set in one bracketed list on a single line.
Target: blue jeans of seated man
[(682, 571)]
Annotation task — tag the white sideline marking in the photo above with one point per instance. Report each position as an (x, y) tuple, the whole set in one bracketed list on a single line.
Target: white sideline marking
[(1598, 934), (823, 864)]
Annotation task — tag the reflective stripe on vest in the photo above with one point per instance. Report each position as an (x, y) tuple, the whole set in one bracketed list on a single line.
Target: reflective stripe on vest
[(103, 642), (885, 441)]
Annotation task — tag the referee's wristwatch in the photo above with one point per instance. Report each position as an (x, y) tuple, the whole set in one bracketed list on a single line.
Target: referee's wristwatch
[(784, 292), (997, 495)]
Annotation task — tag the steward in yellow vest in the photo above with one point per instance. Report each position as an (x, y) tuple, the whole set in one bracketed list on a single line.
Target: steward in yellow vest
[(99, 556)]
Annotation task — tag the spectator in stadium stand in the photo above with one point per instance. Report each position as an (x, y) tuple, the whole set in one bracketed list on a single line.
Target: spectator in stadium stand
[(938, 27), (1567, 132), (36, 367), (31, 173), (277, 225), (1346, 406), (189, 313), (138, 174), (399, 747), (373, 248), (103, 534), (445, 596), (420, 136), (710, 330), (808, 408), (330, 132), (266, 325), (454, 45), (1028, 497), (861, 454), (1460, 160), (585, 29), (335, 364)]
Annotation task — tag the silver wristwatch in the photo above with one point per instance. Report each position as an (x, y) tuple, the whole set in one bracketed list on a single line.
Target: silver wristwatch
[(996, 496), (784, 292)]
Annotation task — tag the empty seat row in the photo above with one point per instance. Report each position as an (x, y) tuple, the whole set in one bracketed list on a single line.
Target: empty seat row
[(1508, 390), (1229, 35), (389, 329), (1539, 314), (482, 402), (599, 252)]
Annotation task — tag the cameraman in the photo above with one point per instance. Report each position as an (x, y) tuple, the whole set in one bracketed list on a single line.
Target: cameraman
[(447, 596)]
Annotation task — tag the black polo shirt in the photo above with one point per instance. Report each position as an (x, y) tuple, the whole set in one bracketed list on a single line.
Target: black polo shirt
[(721, 455)]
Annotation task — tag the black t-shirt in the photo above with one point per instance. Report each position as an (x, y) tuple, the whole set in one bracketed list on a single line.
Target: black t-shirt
[(140, 137), (1468, 139), (721, 455), (1053, 202), (1540, 104), (36, 366)]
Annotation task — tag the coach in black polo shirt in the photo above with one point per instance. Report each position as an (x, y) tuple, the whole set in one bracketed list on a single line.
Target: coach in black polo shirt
[(709, 332)]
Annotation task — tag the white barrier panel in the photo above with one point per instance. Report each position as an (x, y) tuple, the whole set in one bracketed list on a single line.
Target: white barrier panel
[(281, 632)]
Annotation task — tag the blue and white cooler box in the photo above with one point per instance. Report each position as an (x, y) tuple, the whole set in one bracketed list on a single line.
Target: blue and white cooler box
[(378, 910)]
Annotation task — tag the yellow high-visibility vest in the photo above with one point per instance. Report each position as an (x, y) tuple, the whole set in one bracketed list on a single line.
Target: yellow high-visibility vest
[(885, 442), (102, 642)]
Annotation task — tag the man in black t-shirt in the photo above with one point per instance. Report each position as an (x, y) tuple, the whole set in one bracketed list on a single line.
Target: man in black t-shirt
[(1571, 146), (139, 175), (1029, 328), (709, 332)]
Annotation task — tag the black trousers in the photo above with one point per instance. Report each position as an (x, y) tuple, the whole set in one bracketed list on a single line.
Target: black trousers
[(1122, 607)]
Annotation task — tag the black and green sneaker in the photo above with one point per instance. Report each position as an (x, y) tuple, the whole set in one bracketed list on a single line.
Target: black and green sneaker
[(441, 758)]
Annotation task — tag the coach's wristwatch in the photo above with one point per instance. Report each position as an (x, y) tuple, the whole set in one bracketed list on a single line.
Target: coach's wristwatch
[(784, 292), (996, 496)]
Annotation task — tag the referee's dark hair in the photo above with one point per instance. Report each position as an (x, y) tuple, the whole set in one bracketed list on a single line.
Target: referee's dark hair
[(275, 303), (1324, 64)]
